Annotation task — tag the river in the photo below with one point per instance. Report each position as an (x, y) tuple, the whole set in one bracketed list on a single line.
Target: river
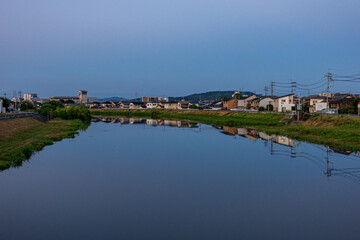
[(164, 179)]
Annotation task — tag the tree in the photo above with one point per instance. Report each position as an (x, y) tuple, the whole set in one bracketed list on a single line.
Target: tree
[(26, 105), (6, 102), (238, 95), (270, 107), (193, 106), (355, 104), (50, 107), (224, 97)]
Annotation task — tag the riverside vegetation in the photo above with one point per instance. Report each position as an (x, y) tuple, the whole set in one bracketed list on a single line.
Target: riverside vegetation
[(339, 132), (21, 137)]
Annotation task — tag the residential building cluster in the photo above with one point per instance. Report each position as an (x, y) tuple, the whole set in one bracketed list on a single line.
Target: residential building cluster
[(286, 103)]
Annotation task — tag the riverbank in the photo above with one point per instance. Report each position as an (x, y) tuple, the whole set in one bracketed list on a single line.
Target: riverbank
[(21, 137), (220, 118), (339, 132)]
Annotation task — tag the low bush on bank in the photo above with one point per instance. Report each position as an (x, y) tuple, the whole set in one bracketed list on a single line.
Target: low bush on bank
[(56, 109), (73, 112)]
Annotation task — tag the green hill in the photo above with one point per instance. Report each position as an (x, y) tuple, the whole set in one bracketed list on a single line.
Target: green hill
[(213, 95)]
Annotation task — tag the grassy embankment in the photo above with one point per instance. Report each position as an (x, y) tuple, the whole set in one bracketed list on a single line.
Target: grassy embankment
[(20, 137), (338, 132)]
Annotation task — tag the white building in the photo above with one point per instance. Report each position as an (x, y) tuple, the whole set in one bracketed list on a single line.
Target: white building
[(264, 102), (30, 96), (284, 103), (152, 105), (319, 106), (2, 109), (243, 102)]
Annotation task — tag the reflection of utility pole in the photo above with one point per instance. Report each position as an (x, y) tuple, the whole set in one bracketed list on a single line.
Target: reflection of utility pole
[(271, 147), (328, 169), (292, 154)]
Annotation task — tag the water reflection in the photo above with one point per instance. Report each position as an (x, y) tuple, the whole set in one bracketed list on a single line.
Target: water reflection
[(150, 122), (277, 145), (294, 151)]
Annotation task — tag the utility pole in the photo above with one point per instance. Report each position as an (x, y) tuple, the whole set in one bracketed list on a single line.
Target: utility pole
[(329, 78), (5, 95), (293, 86), (272, 89), (266, 90)]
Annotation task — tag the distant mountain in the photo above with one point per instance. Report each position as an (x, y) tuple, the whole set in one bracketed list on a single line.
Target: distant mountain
[(213, 95), (111, 99)]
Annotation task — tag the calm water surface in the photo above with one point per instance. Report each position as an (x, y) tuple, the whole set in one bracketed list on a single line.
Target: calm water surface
[(148, 179)]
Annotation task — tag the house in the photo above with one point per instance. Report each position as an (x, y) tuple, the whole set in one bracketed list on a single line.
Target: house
[(93, 105), (151, 105), (230, 103), (168, 105), (312, 100), (107, 104), (340, 101), (125, 104), (137, 105), (284, 103), (81, 98), (216, 105), (149, 99), (320, 106), (242, 102), (30, 97), (253, 104), (267, 103), (183, 105)]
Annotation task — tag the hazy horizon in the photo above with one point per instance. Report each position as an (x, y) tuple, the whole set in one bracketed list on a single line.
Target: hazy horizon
[(174, 48)]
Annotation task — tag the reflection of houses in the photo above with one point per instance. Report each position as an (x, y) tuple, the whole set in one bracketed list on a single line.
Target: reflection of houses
[(170, 123), (265, 136), (249, 133), (283, 141), (137, 120), (182, 124), (124, 120), (230, 131), (152, 122)]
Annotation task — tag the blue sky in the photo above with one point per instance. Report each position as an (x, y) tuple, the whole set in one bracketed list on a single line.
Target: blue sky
[(173, 48)]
